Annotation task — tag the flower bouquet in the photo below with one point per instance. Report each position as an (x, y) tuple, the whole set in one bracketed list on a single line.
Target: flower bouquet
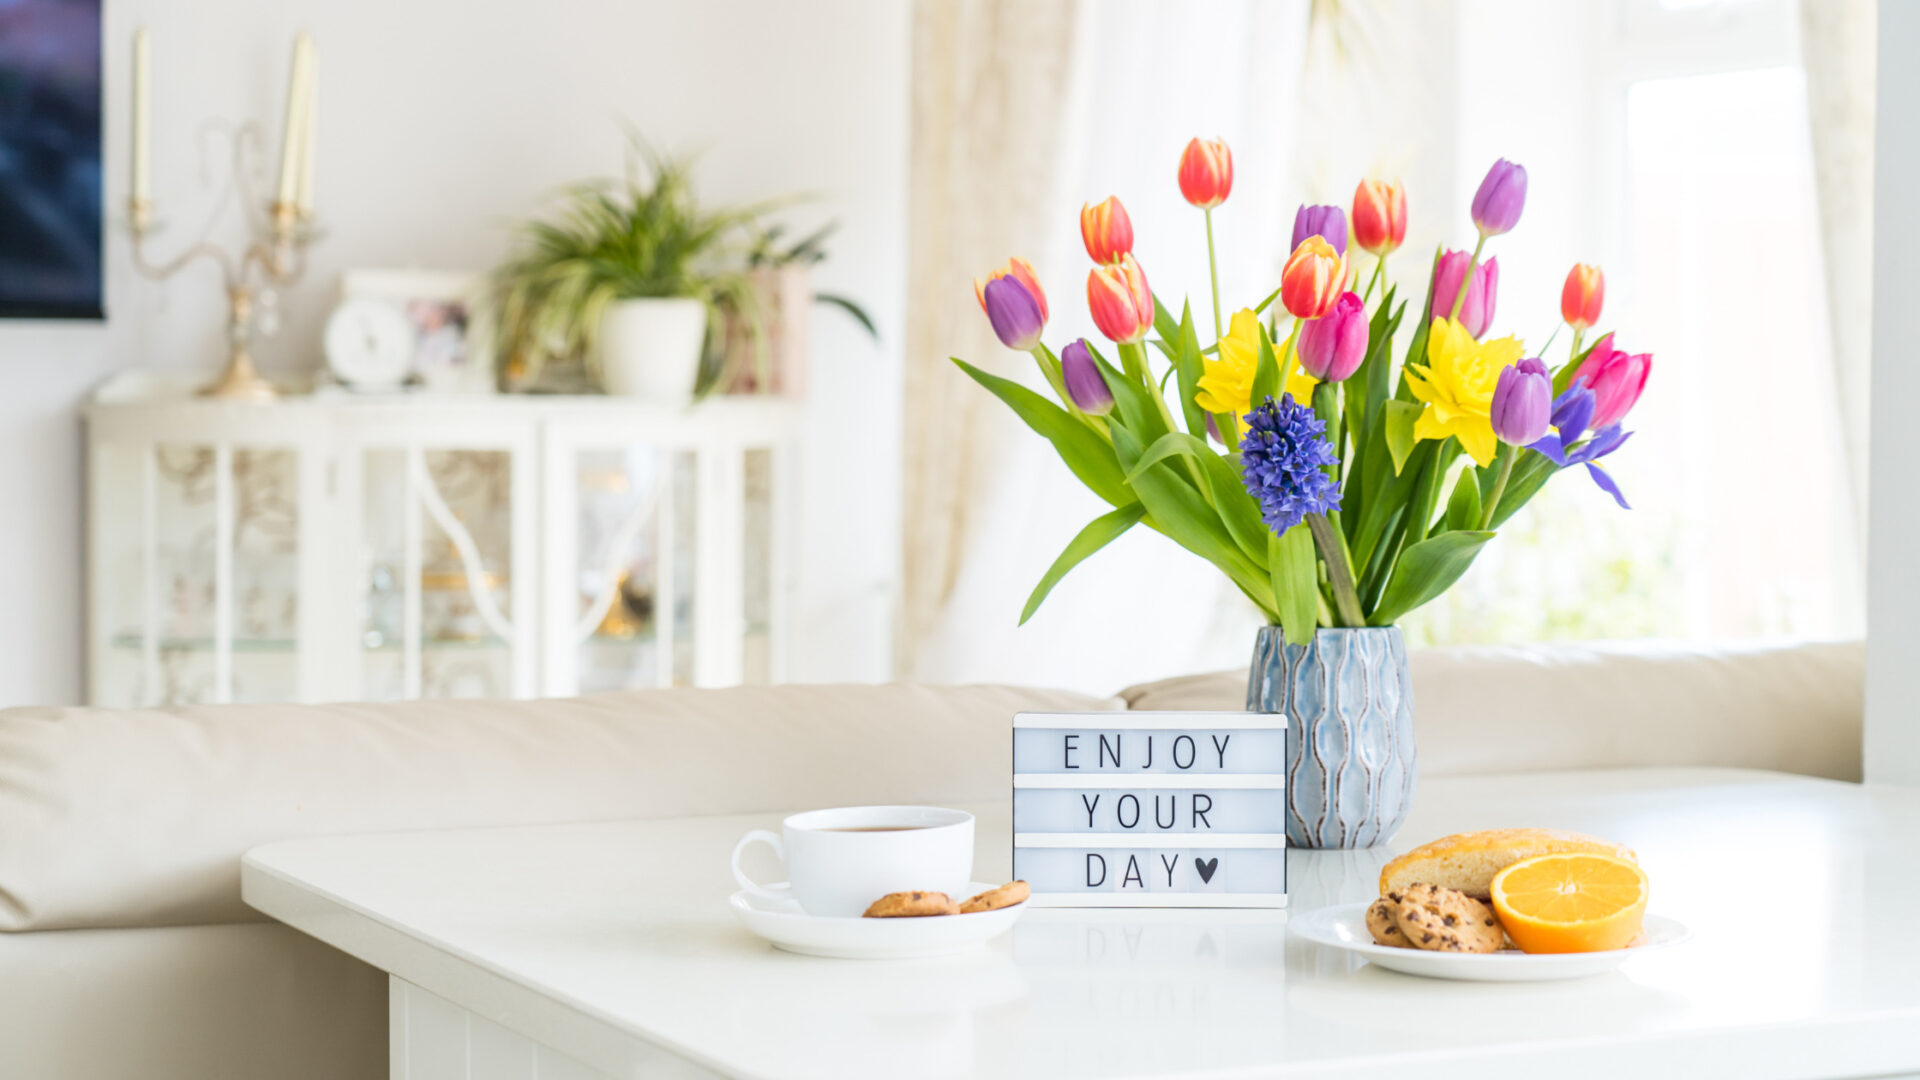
[(1336, 489)]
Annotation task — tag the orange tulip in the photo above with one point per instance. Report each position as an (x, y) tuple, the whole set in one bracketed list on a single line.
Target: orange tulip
[(1107, 230), (1379, 216), (1581, 296), (1020, 270), (1206, 173), (1120, 301), (1313, 279)]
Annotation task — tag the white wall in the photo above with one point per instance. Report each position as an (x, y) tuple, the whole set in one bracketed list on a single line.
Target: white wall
[(439, 122), (1893, 507)]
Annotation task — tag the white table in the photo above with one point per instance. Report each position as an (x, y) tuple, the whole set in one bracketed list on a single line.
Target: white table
[(607, 950)]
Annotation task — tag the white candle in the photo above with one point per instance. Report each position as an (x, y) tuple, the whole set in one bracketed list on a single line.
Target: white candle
[(293, 130), (304, 196), (142, 134)]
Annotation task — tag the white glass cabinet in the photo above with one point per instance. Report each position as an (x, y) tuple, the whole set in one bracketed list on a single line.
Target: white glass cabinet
[(340, 547)]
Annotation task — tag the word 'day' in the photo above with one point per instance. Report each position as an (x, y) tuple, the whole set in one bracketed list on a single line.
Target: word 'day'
[(1151, 809)]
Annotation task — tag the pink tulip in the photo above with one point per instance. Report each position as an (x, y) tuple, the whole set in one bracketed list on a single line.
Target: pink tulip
[(1476, 314), (1617, 380), (1332, 346)]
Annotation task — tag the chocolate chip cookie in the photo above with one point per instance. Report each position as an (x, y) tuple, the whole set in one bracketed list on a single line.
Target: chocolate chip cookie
[(907, 905), (1442, 920), (1382, 924), (1013, 892)]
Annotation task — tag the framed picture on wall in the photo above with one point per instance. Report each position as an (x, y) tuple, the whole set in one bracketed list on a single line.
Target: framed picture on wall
[(50, 181)]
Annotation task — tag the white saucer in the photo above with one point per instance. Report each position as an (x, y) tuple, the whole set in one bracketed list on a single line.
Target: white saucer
[(787, 927), (1345, 928)]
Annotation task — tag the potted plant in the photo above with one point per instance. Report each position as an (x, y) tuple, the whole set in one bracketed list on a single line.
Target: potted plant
[(1351, 490), (624, 275), (766, 339)]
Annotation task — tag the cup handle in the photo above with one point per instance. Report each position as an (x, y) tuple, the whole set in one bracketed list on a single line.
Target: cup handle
[(772, 840)]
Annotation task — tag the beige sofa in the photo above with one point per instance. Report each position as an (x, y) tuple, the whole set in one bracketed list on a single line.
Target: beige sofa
[(125, 949)]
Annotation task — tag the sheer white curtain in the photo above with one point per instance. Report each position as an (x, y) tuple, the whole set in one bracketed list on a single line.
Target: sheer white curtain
[(1143, 79)]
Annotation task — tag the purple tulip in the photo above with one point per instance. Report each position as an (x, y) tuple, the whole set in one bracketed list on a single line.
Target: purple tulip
[(1476, 314), (1089, 392), (1522, 403), (1015, 314), (1332, 346), (1327, 222), (1502, 195)]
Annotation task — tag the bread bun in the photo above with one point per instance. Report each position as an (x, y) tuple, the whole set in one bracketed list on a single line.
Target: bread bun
[(1467, 862)]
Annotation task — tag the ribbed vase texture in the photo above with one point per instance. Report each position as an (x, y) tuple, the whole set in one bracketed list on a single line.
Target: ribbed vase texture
[(1348, 699)]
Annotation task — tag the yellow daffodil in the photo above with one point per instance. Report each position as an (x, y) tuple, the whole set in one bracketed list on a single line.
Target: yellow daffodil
[(1457, 384), (1226, 381)]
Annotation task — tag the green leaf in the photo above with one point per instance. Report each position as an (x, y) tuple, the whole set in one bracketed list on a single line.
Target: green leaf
[(1178, 511), (1099, 532), (1087, 454), (1463, 507), (1133, 409), (1163, 323), (853, 310), (1400, 418), (1266, 376), (1529, 476), (1426, 570), (1186, 362), (1296, 595), (1261, 307), (1235, 508)]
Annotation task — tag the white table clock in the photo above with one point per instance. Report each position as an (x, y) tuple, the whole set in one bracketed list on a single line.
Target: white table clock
[(370, 344)]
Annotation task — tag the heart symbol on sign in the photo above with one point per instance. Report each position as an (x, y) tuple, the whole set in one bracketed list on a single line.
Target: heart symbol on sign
[(1206, 868)]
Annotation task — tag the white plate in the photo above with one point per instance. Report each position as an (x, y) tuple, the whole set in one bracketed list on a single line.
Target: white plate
[(787, 927), (1345, 928)]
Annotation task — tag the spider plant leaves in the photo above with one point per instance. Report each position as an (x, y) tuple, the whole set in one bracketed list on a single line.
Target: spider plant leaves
[(1098, 533)]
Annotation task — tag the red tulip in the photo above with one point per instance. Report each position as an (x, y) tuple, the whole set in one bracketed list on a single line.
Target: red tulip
[(1120, 301), (1313, 279), (1379, 216), (1206, 173), (1580, 297), (1107, 230)]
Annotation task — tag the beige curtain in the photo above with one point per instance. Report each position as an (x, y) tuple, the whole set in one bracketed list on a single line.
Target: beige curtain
[(990, 87), (1837, 49)]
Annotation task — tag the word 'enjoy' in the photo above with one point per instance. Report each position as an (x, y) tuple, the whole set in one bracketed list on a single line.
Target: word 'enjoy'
[(1070, 746)]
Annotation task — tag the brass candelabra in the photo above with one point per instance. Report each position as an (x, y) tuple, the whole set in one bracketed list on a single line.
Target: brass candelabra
[(274, 256)]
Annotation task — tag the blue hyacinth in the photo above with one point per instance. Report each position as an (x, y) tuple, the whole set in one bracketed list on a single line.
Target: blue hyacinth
[(1283, 461)]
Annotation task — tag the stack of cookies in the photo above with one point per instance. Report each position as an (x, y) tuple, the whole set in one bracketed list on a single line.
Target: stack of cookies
[(920, 903)]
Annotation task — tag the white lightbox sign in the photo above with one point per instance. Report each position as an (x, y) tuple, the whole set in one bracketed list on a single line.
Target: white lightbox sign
[(1151, 809)]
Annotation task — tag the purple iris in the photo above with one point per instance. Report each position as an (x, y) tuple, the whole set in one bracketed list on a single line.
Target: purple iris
[(1089, 391), (1015, 314), (1572, 411), (1327, 222), (1502, 195), (1283, 461)]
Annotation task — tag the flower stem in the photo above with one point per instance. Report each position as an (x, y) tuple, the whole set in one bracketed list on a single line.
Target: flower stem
[(1213, 271), (1579, 332), (1499, 484), (1466, 279), (1333, 552), (1133, 356), (1379, 269)]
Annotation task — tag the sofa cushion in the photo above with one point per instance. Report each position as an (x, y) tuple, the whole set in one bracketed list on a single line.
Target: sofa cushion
[(188, 1003), (1517, 708), (139, 817)]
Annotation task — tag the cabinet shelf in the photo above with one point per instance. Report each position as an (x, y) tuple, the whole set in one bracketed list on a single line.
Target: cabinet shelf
[(302, 516)]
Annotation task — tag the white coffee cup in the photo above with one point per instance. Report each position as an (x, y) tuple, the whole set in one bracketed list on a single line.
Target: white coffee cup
[(840, 861)]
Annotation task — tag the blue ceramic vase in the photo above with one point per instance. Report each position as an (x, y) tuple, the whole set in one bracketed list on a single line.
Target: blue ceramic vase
[(1348, 699)]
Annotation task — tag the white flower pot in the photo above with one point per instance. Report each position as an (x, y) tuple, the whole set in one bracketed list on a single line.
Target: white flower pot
[(650, 348)]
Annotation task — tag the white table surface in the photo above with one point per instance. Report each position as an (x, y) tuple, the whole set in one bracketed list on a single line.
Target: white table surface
[(613, 944)]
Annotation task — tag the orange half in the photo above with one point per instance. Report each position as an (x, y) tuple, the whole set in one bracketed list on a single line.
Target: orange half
[(1576, 902)]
